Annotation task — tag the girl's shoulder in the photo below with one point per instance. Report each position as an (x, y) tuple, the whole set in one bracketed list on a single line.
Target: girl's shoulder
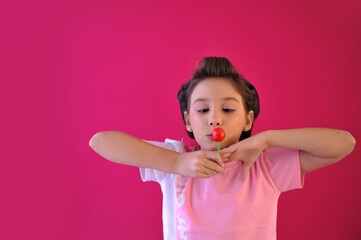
[(175, 145), (192, 148), (180, 146)]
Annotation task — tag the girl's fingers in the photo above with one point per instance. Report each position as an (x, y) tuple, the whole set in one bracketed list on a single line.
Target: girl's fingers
[(229, 153), (203, 175), (220, 160), (225, 155), (209, 172), (215, 156), (229, 149), (213, 166), (226, 159)]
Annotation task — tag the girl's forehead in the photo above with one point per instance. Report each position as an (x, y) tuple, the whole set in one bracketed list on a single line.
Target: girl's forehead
[(215, 89)]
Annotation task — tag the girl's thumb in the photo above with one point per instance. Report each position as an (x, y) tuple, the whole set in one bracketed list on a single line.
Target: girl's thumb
[(220, 160)]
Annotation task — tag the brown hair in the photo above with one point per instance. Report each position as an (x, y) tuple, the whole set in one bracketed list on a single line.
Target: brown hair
[(220, 67)]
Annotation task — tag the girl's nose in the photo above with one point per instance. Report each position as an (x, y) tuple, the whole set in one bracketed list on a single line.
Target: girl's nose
[(215, 121)]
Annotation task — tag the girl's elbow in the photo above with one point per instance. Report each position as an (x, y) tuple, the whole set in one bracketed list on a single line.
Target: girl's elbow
[(350, 143), (353, 142), (94, 139)]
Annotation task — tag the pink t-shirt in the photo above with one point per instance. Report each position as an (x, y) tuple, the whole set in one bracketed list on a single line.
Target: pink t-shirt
[(223, 207)]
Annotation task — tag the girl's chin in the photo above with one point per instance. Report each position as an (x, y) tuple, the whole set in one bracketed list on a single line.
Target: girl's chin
[(213, 146), (210, 147)]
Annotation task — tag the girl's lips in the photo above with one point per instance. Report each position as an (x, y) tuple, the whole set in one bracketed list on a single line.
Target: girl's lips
[(210, 137)]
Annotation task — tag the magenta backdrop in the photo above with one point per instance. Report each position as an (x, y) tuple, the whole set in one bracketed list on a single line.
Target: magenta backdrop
[(72, 68)]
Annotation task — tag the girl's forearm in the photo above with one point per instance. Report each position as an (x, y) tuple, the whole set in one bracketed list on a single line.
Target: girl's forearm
[(321, 142), (125, 149)]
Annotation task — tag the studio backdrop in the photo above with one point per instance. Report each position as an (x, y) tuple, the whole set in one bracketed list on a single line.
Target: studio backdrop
[(74, 68)]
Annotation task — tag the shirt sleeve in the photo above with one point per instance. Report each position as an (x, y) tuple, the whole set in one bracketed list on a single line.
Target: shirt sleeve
[(149, 174), (284, 168)]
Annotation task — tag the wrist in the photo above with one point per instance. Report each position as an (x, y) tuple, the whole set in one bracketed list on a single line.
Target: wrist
[(266, 140), (177, 165)]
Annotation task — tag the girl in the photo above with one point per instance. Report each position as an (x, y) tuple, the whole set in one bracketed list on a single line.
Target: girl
[(203, 197)]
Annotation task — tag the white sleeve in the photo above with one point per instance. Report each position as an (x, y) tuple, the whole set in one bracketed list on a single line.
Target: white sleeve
[(149, 174)]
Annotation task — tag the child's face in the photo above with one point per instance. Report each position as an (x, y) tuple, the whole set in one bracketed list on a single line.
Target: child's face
[(215, 102)]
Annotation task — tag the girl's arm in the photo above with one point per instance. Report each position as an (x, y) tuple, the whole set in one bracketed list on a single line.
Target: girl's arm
[(125, 149), (319, 147)]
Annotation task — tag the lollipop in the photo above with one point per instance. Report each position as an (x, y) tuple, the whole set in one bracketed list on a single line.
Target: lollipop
[(218, 135)]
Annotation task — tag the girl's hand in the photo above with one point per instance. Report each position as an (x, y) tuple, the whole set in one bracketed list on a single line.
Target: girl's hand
[(200, 164), (247, 150)]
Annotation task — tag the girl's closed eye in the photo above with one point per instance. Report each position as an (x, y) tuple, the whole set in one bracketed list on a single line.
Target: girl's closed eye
[(228, 110), (202, 110)]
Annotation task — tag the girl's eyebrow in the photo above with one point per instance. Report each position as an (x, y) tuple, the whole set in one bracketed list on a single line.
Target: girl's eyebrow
[(223, 99)]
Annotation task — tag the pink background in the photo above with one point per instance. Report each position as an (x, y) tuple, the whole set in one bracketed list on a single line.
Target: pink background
[(72, 68)]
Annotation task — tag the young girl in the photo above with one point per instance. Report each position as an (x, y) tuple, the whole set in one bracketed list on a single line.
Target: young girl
[(203, 197)]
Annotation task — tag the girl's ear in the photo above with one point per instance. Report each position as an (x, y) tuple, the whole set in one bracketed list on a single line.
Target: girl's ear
[(186, 119), (249, 122)]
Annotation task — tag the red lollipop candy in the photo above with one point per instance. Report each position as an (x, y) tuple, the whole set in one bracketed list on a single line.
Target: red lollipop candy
[(218, 134)]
